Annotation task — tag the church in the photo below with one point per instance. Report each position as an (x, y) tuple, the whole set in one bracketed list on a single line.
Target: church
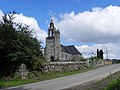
[(55, 51)]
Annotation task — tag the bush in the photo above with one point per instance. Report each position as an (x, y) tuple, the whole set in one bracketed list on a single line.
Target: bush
[(34, 74), (2, 85), (17, 76), (114, 85)]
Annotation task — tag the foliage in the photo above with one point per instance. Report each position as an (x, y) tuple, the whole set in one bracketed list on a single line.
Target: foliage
[(16, 76), (114, 85), (17, 45), (100, 54), (82, 58), (94, 58), (1, 85)]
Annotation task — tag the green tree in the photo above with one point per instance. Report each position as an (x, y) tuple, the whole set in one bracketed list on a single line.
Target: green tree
[(98, 53), (101, 54), (17, 45)]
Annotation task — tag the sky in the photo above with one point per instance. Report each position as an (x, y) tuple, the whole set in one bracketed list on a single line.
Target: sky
[(87, 24)]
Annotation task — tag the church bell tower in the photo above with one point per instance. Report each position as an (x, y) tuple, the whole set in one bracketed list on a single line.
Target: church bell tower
[(52, 48)]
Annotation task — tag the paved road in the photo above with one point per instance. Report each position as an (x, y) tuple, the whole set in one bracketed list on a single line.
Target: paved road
[(69, 81)]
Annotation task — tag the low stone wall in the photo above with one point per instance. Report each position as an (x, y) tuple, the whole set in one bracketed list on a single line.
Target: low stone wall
[(104, 62), (100, 63), (64, 66)]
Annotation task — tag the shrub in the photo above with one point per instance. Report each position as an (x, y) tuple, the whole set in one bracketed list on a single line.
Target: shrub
[(114, 85)]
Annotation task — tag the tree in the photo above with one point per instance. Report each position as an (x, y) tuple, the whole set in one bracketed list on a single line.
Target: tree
[(17, 45), (100, 54)]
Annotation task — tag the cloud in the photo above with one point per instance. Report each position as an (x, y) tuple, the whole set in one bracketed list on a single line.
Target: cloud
[(1, 14), (98, 26), (110, 49), (39, 33)]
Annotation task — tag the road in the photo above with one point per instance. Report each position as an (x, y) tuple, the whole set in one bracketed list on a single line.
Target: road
[(69, 81)]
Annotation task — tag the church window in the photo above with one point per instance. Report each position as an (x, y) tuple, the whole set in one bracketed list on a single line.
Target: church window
[(51, 46)]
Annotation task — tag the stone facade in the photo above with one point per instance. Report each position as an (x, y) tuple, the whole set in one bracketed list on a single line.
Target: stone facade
[(66, 56), (54, 51)]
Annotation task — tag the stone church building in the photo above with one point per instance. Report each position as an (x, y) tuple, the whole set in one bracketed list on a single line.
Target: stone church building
[(54, 51)]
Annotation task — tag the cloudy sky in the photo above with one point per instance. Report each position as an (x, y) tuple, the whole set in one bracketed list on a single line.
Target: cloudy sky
[(87, 24)]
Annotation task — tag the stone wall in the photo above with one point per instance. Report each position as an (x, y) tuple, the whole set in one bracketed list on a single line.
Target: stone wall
[(64, 66), (77, 65), (98, 63), (104, 62)]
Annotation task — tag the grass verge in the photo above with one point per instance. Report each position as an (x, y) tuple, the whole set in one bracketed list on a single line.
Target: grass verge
[(114, 85), (40, 77)]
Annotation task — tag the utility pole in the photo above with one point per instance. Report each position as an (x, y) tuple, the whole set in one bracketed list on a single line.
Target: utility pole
[(106, 53)]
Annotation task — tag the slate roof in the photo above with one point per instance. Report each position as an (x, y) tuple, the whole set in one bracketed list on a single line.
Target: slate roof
[(70, 49), (64, 49)]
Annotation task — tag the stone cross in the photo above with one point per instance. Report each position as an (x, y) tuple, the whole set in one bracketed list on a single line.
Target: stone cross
[(23, 71)]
